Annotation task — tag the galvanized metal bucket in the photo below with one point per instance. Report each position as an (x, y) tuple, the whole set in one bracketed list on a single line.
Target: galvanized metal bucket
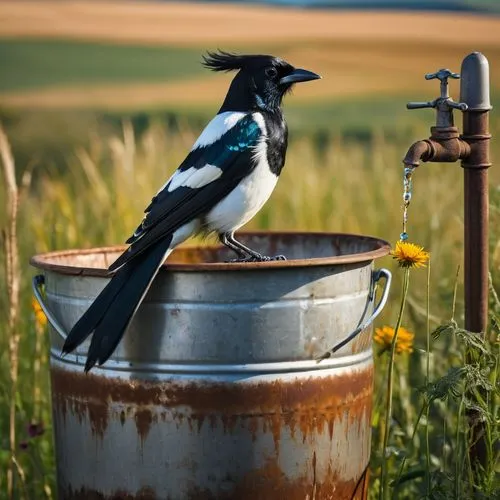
[(214, 392)]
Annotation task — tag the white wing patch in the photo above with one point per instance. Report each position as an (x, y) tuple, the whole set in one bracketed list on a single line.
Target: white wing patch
[(260, 150), (194, 177), (219, 125), (216, 128), (259, 119)]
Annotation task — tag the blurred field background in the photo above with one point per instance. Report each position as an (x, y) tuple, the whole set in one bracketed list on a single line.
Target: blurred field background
[(100, 102)]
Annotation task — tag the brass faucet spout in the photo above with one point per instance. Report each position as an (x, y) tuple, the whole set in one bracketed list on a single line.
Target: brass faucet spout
[(418, 151), (444, 145)]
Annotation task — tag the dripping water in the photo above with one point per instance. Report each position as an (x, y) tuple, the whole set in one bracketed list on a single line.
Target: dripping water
[(407, 192)]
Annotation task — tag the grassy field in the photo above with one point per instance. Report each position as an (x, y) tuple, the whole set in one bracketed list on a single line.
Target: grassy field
[(38, 64), (57, 74), (346, 187), (101, 101), (41, 69)]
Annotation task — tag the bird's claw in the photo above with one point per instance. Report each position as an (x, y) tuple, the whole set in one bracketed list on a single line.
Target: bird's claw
[(259, 258), (241, 259), (278, 257)]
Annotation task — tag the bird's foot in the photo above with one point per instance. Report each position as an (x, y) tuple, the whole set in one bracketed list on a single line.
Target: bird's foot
[(278, 257), (258, 258)]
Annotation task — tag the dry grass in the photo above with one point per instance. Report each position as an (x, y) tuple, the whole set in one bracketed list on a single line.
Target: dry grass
[(98, 198), (13, 274)]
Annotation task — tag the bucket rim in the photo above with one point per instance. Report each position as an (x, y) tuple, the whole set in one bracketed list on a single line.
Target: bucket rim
[(381, 248)]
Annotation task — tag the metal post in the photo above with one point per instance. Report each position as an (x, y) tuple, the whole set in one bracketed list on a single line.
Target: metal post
[(474, 90)]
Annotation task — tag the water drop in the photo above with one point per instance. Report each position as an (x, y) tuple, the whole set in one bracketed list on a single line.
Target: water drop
[(403, 236)]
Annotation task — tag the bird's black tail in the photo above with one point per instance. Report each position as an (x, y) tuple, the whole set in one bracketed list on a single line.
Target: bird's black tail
[(113, 309)]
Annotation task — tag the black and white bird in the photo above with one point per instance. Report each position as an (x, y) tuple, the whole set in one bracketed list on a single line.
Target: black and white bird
[(225, 179)]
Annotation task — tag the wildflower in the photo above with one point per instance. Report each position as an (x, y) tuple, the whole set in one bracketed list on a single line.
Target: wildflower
[(40, 318), (35, 430), (24, 445), (410, 255), (385, 335)]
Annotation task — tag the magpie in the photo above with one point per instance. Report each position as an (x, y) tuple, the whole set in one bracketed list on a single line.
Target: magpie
[(225, 179)]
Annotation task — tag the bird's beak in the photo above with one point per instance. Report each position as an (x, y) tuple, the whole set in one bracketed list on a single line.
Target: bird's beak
[(299, 75)]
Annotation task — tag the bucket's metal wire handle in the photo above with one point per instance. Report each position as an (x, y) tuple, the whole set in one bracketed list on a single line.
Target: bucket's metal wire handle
[(37, 282), (376, 276)]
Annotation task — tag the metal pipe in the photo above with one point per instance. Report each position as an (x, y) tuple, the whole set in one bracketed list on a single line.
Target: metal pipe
[(474, 90)]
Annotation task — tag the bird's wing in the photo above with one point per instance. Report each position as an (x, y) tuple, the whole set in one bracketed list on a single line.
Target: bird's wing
[(208, 174)]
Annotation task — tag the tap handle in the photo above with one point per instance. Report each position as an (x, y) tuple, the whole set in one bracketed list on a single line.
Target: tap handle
[(444, 104), (462, 106), (421, 105), (442, 75)]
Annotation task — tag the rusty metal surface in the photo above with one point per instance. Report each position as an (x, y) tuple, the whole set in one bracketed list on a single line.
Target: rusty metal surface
[(301, 250), (292, 436), (476, 252), (444, 145), (476, 217)]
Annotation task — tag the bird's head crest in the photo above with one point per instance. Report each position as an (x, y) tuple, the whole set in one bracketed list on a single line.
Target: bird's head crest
[(226, 61)]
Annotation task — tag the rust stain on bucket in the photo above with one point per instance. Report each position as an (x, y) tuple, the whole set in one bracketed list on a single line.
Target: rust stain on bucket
[(143, 420), (253, 486), (308, 407), (311, 405)]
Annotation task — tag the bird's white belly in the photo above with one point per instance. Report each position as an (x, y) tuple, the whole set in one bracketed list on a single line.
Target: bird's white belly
[(243, 202)]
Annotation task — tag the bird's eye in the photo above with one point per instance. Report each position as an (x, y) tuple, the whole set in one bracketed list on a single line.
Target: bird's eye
[(271, 72)]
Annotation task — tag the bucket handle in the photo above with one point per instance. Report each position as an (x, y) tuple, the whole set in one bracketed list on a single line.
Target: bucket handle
[(37, 282), (376, 276)]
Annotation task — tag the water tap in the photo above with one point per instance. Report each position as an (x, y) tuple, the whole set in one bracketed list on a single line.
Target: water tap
[(443, 104), (444, 144)]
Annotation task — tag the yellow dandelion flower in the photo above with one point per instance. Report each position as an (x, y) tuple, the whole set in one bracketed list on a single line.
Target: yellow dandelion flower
[(385, 335), (40, 318), (410, 255)]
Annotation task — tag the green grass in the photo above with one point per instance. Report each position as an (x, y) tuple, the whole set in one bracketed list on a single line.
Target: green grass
[(350, 185), (37, 64)]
